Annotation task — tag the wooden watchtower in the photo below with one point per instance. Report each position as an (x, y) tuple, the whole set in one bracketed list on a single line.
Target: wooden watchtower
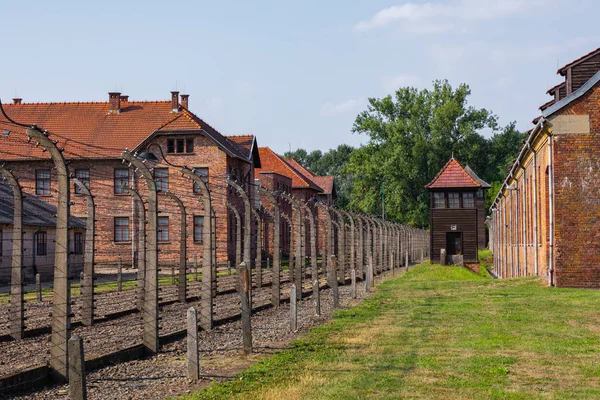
[(457, 214)]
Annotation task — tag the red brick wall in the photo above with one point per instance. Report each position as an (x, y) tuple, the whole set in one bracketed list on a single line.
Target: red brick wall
[(577, 199)]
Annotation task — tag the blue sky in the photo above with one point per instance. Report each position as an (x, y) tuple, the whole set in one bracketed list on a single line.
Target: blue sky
[(293, 73)]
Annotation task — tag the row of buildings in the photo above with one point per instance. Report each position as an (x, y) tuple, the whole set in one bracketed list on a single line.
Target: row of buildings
[(94, 135), (544, 220)]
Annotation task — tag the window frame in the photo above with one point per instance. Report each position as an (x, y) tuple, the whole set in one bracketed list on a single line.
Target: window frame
[(118, 189), (195, 186), (443, 198), (118, 230), (162, 182), (84, 180), (472, 199), (78, 243), (189, 145), (41, 190), (160, 228), (451, 197), (41, 243), (198, 238)]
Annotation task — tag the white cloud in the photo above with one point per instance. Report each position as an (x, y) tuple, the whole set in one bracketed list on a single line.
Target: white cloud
[(339, 108), (444, 16)]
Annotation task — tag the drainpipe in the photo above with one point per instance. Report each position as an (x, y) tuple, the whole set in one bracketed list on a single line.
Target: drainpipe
[(524, 221), (535, 214), (551, 211)]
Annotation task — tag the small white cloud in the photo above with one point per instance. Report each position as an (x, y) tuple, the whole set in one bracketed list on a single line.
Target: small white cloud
[(394, 83), (339, 108), (438, 17)]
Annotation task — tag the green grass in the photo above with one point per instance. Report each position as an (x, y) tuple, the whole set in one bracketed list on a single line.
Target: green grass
[(440, 333)]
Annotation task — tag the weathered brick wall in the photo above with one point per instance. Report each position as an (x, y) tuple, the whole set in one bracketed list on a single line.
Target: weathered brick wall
[(110, 205), (273, 181), (577, 199)]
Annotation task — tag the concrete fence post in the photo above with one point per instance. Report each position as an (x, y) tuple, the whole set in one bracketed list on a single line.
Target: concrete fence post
[(246, 308), (119, 275), (353, 283), (407, 260), (77, 386), (334, 282), (368, 279), (172, 276), (17, 312), (317, 298), (87, 282), (193, 356), (150, 309), (38, 288), (195, 268), (228, 268), (61, 317), (371, 273), (293, 309)]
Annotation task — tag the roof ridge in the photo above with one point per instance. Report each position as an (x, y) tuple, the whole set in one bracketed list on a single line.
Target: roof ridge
[(51, 103), (443, 169), (578, 60)]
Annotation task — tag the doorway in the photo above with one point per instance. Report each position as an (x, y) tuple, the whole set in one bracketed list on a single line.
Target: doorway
[(454, 243)]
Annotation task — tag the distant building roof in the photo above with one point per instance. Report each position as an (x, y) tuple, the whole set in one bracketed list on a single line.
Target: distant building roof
[(36, 212), (483, 183), (271, 162), (453, 175)]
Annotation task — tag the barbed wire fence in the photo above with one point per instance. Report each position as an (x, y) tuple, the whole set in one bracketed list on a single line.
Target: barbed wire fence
[(136, 315)]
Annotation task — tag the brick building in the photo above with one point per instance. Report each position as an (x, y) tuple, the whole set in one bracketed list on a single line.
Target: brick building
[(287, 175), (39, 223), (94, 134), (545, 216)]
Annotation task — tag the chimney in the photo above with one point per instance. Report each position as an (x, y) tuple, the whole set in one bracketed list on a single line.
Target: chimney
[(114, 102), (184, 100), (174, 101), (17, 100), (124, 99)]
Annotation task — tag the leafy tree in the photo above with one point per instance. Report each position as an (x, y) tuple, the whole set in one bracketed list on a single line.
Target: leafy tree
[(411, 136)]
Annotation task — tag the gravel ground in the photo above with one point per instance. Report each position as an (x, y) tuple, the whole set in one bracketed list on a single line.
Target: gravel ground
[(109, 336), (164, 375)]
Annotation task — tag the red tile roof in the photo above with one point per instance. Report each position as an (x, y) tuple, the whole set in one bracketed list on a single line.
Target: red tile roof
[(88, 130), (271, 162), (453, 175), (324, 182)]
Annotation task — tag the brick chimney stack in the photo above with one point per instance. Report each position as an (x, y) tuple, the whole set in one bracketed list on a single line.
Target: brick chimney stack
[(174, 101), (124, 99), (185, 100), (17, 100), (114, 102)]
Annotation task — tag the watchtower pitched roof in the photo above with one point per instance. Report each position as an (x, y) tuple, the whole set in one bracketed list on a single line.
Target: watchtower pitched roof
[(454, 175)]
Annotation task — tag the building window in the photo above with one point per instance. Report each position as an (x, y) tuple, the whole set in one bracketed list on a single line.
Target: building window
[(84, 176), (78, 243), (180, 145), (439, 200), (468, 201), (41, 244), (198, 228), (480, 194), (42, 182), (163, 229), (453, 200), (121, 180), (161, 177), (203, 173), (121, 229)]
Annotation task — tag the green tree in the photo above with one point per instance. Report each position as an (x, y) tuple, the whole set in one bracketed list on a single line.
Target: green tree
[(411, 136)]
